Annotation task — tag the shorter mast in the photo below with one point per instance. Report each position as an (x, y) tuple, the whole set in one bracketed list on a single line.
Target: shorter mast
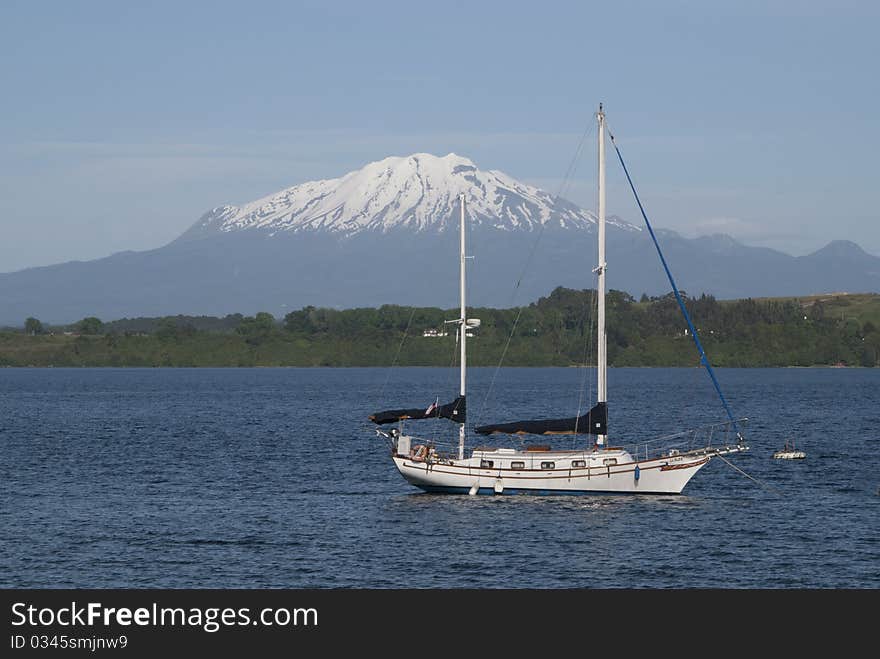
[(463, 327), (601, 351)]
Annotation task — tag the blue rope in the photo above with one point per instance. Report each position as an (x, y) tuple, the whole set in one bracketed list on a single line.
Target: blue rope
[(703, 359)]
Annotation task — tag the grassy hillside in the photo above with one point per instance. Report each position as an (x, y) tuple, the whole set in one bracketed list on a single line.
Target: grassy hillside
[(862, 307)]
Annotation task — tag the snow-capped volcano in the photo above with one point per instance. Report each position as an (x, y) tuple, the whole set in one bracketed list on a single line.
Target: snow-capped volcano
[(388, 234), (418, 192)]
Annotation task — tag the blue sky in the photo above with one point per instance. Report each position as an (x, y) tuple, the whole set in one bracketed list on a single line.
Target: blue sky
[(121, 123)]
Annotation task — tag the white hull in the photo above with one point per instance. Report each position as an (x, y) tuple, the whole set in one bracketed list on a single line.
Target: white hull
[(664, 475)]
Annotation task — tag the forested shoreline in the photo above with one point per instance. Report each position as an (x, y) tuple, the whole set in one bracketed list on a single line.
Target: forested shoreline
[(557, 330)]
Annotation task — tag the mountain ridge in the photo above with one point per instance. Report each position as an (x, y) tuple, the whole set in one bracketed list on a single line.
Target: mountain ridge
[(388, 234)]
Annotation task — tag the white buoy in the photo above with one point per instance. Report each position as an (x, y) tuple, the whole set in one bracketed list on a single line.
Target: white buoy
[(789, 452), (474, 489)]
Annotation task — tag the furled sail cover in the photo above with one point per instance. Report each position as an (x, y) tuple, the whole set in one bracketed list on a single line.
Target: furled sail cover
[(456, 411), (594, 422)]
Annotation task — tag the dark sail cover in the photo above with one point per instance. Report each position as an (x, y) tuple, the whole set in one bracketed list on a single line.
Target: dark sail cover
[(456, 411), (594, 422)]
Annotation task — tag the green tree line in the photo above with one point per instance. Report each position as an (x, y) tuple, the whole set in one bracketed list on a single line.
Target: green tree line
[(556, 330)]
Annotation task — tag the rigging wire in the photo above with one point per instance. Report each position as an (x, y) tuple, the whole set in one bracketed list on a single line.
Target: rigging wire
[(588, 349), (703, 358), (563, 188), (764, 485), (381, 396), (588, 355), (453, 360), (456, 352), (451, 376)]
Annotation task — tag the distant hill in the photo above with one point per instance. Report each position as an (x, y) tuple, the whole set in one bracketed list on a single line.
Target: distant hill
[(387, 234)]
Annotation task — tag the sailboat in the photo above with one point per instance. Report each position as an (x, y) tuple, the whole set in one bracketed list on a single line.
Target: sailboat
[(663, 466)]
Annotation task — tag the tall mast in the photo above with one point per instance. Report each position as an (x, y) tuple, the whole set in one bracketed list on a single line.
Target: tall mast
[(601, 351), (463, 327)]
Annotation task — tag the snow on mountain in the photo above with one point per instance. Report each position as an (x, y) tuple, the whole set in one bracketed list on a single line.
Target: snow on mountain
[(358, 241), (417, 192)]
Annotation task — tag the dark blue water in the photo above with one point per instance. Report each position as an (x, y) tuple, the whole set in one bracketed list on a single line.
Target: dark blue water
[(270, 478)]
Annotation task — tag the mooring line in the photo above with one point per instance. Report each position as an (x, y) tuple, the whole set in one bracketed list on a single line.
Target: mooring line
[(764, 485)]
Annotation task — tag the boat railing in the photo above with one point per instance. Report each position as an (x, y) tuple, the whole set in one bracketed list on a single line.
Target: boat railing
[(705, 438), (435, 451), (440, 451)]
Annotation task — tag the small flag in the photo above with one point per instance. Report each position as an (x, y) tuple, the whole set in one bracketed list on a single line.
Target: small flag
[(432, 408)]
